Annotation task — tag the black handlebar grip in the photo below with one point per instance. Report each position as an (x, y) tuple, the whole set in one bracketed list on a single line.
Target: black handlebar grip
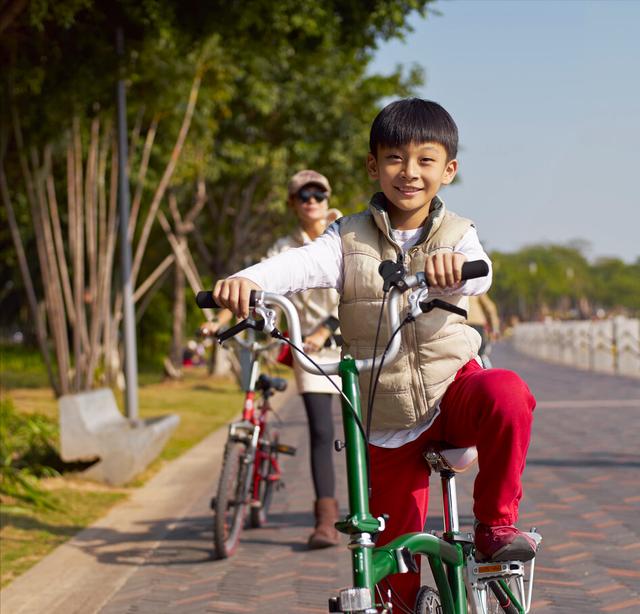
[(204, 300), (475, 268)]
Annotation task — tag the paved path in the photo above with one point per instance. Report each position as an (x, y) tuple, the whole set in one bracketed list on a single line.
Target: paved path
[(582, 490)]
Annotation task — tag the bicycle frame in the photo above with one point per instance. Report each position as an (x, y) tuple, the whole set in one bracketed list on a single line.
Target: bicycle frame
[(254, 418), (370, 565), (450, 556)]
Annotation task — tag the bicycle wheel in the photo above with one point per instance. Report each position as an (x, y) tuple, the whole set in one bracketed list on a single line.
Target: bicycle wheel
[(267, 484), (428, 601), (230, 503)]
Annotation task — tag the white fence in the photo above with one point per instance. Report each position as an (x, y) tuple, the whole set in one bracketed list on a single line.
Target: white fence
[(607, 346)]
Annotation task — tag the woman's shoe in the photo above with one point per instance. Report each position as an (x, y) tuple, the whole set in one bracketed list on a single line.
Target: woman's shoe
[(325, 533)]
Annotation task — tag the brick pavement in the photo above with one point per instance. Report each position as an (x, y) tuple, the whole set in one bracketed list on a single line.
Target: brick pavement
[(271, 572), (582, 490)]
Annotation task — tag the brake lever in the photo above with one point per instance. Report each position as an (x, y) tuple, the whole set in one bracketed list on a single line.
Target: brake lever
[(268, 315), (419, 295)]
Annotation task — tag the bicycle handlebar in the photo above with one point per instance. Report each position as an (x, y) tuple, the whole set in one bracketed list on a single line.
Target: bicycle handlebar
[(470, 270), (260, 300), (204, 300), (474, 269)]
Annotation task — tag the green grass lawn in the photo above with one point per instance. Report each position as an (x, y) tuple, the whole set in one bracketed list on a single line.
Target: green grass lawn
[(204, 404), (28, 534)]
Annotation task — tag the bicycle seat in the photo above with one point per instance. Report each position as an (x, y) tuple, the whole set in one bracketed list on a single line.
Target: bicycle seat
[(266, 383), (457, 460)]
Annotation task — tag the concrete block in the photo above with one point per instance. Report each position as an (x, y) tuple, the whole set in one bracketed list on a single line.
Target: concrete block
[(92, 427)]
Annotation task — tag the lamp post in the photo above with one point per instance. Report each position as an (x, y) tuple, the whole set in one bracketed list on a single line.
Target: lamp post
[(128, 315)]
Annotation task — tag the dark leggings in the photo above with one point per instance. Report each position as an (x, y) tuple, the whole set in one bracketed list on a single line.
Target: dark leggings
[(318, 408)]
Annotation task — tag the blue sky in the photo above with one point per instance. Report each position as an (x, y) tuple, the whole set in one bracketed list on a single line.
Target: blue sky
[(546, 95)]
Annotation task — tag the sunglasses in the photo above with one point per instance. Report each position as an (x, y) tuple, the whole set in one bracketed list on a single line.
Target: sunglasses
[(307, 195)]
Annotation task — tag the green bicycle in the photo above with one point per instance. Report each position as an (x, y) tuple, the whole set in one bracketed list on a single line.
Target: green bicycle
[(462, 584)]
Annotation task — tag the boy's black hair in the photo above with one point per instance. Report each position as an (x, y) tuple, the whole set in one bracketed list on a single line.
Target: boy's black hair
[(414, 120)]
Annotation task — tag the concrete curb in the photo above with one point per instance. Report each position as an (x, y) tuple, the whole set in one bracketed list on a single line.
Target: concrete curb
[(82, 574)]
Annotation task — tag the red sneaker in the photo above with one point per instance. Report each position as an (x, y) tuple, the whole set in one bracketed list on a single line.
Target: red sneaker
[(503, 543)]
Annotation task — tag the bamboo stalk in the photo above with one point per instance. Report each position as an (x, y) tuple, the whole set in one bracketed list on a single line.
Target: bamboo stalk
[(58, 315), (164, 182), (78, 260), (91, 197), (178, 314), (179, 249), (142, 173), (201, 200), (149, 294), (33, 203), (102, 306), (41, 333), (110, 339), (151, 279), (57, 236), (72, 212), (48, 282)]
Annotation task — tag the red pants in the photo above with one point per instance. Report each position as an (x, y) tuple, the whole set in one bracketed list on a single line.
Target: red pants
[(490, 409)]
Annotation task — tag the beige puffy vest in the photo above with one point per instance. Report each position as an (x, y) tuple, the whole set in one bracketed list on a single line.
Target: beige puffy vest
[(433, 348)]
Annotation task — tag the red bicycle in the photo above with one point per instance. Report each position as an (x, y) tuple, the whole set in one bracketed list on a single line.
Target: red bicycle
[(250, 470)]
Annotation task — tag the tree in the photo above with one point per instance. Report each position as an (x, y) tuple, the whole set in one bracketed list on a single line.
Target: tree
[(548, 279), (277, 85)]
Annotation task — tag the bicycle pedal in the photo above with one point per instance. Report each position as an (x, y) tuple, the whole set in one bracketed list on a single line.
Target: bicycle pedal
[(283, 448)]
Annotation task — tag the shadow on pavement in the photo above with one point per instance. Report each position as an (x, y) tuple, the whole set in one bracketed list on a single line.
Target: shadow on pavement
[(184, 542), (594, 460)]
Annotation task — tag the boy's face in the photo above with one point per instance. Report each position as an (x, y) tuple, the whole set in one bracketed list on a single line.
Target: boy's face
[(410, 176)]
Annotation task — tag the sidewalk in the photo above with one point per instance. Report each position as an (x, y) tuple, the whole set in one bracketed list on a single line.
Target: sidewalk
[(81, 575), (154, 553)]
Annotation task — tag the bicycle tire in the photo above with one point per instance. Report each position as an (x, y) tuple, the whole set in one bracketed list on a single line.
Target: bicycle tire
[(497, 600), (428, 601), (230, 503), (258, 515)]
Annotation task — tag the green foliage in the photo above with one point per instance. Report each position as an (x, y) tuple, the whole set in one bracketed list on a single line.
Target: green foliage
[(26, 441), (616, 284), (284, 85), (21, 366), (553, 279)]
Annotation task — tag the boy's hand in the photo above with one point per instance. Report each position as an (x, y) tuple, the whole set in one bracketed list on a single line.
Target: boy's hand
[(444, 270), (234, 294)]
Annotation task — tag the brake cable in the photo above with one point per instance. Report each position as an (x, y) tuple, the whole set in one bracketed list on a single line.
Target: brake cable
[(278, 335)]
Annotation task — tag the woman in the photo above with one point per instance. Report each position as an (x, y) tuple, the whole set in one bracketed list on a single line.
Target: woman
[(309, 194), (308, 198)]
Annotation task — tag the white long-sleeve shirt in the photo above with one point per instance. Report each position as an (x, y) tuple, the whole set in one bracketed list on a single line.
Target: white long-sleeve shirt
[(320, 265)]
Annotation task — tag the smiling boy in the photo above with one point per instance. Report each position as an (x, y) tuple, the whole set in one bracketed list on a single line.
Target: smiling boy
[(436, 391)]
